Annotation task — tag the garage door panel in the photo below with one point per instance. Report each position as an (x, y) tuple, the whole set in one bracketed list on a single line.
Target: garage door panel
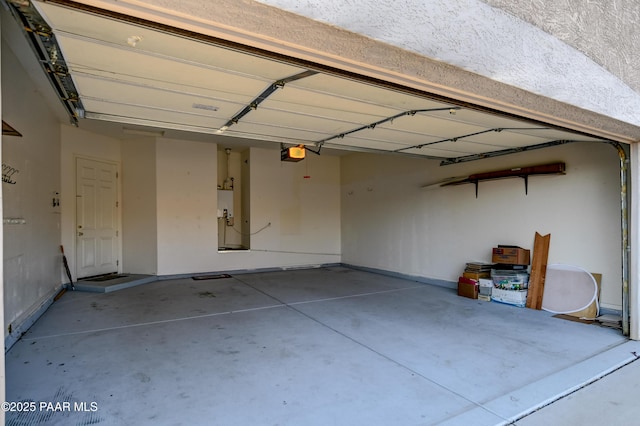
[(350, 89), (431, 126), (85, 57), (272, 132), (126, 94), (365, 143), (505, 139), (438, 151), (396, 137), (266, 116), (117, 33), (303, 100), (172, 119)]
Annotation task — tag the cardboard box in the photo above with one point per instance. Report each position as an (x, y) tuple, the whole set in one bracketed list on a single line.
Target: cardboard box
[(510, 297), (510, 255), (477, 275), (592, 310), (467, 288)]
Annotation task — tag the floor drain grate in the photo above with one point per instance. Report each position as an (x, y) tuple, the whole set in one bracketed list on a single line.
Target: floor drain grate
[(210, 277)]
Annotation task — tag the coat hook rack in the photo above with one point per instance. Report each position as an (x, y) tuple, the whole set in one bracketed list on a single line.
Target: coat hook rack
[(7, 173)]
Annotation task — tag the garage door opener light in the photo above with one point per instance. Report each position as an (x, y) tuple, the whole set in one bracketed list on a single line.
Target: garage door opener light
[(292, 153)]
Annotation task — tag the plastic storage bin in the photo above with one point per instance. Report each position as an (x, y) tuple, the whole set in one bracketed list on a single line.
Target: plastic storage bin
[(510, 280)]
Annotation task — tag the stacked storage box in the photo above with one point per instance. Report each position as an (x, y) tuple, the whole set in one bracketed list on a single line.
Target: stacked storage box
[(473, 273), (485, 288), (510, 276), (510, 286)]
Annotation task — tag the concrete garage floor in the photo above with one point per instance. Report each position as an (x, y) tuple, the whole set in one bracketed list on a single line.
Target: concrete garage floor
[(327, 346)]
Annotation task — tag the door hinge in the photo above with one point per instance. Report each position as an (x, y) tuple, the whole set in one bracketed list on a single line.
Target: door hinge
[(117, 204), (117, 233), (117, 174), (117, 263)]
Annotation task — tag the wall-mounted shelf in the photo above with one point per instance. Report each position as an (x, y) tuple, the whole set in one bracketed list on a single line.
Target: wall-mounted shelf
[(7, 130), (520, 172)]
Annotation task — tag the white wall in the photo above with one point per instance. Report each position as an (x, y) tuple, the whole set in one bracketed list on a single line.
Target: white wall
[(31, 258), (390, 223), (139, 218), (304, 214), (186, 206), (168, 206)]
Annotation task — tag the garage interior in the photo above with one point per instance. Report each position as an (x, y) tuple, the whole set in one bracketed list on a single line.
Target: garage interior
[(340, 303)]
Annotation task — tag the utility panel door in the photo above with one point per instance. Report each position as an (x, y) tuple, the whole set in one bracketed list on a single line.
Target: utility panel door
[(96, 218)]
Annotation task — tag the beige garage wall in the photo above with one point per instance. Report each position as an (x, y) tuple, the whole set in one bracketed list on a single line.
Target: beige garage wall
[(139, 206), (168, 199), (186, 179), (390, 223), (304, 212), (31, 245), (294, 221)]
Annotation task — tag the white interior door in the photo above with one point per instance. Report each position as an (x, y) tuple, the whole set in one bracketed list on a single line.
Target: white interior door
[(96, 218)]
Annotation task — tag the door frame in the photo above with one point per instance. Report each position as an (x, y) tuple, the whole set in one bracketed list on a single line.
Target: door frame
[(72, 255)]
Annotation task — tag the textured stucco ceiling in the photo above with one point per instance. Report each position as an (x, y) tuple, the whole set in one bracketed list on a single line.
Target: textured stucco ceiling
[(607, 32)]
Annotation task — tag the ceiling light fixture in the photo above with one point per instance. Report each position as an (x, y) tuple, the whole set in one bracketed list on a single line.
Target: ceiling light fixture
[(292, 153), (222, 129)]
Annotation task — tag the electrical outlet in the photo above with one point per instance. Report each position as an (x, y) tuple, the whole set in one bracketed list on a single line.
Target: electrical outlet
[(55, 201)]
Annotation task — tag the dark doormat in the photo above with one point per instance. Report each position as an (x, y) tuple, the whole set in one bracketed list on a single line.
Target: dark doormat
[(106, 277), (112, 282), (210, 277)]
